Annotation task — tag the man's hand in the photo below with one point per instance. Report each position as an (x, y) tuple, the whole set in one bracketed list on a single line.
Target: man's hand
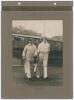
[(23, 57)]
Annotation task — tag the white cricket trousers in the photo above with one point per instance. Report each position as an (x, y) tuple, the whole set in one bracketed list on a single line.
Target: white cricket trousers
[(44, 59), (45, 68), (27, 69)]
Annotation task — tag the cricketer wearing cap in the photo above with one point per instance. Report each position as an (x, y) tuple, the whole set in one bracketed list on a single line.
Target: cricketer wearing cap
[(28, 53)]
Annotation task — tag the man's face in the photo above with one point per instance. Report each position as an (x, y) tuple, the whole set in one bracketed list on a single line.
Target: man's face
[(30, 42), (44, 40)]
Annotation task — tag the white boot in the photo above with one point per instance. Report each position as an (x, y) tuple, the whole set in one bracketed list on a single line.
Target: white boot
[(38, 76)]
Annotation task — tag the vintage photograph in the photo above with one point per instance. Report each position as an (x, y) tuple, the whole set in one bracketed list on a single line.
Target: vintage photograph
[(37, 52)]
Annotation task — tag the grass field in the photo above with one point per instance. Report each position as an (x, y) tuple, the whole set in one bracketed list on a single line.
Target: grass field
[(55, 76)]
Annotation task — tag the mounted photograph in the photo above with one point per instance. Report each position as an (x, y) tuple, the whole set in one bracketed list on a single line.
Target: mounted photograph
[(37, 52)]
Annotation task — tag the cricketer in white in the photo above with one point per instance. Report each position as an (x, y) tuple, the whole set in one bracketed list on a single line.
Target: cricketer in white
[(28, 53), (43, 50)]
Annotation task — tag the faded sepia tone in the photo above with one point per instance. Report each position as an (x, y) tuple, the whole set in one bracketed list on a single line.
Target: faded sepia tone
[(49, 28), (22, 32), (12, 90)]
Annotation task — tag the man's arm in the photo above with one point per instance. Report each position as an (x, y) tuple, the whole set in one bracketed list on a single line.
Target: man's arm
[(24, 52), (38, 50)]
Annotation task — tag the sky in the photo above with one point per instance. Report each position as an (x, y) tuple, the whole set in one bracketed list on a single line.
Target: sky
[(47, 28)]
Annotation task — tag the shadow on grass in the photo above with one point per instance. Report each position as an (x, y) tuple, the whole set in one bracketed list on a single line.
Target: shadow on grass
[(54, 79), (51, 81)]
